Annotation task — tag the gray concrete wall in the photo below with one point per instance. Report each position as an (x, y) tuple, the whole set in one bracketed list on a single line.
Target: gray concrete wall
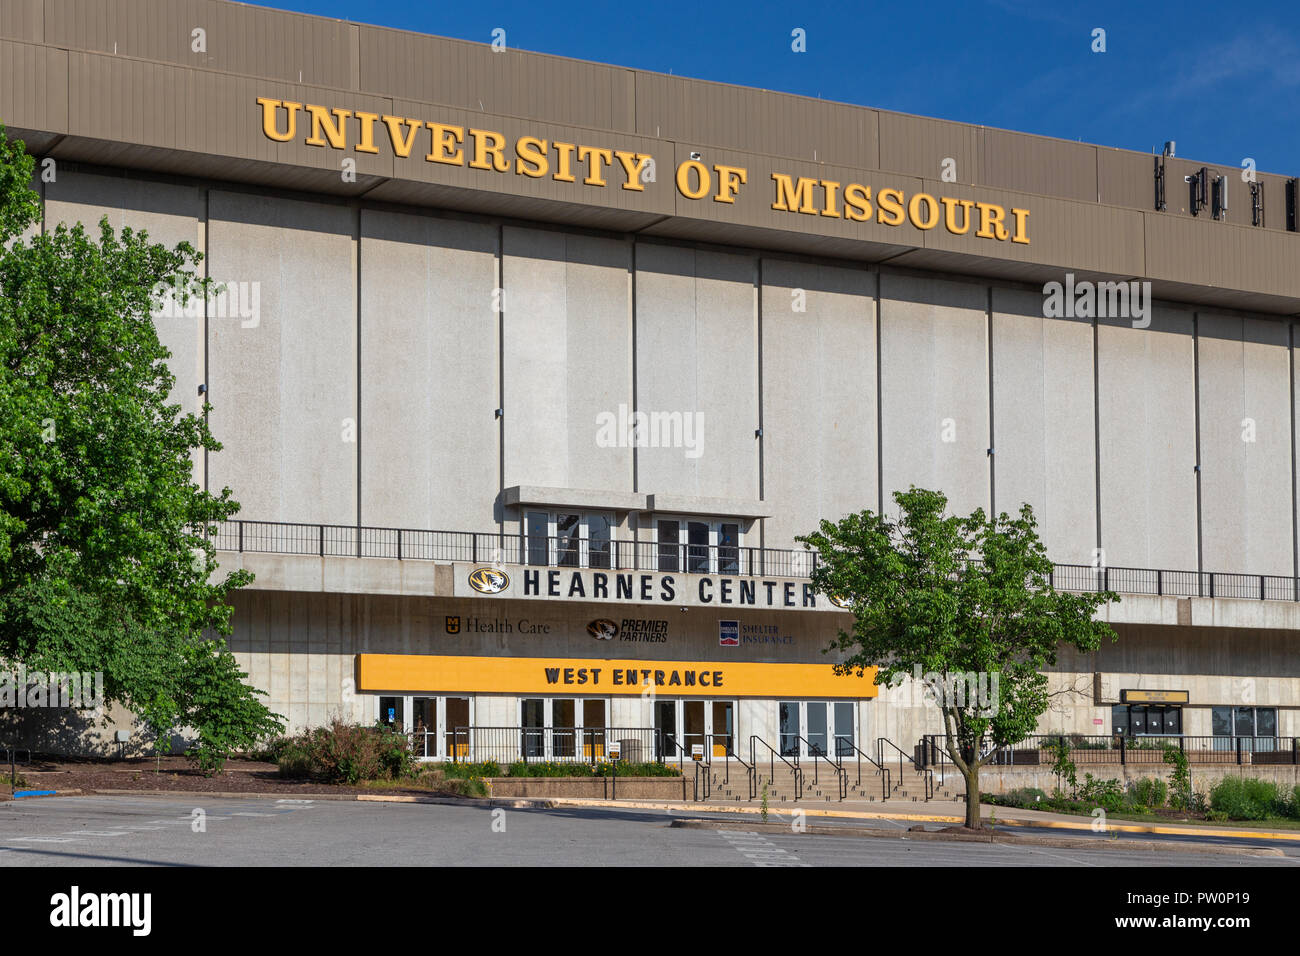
[(285, 391), (934, 389), (697, 352), (1146, 400), (429, 348), (691, 331), (819, 395), (170, 214), (567, 358), (1043, 423)]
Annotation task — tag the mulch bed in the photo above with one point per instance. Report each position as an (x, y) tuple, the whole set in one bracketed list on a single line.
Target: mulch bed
[(178, 774)]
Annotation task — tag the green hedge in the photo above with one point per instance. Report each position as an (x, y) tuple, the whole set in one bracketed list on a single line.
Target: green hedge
[(551, 768), (1249, 798)]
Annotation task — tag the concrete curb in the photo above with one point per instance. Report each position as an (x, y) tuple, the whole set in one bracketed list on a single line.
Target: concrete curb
[(515, 803), (996, 839), (1151, 828)]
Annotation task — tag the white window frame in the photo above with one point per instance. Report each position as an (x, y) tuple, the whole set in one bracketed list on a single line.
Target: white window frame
[(552, 533), (713, 552)]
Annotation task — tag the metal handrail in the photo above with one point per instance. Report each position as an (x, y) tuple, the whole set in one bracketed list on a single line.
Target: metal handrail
[(744, 561), (753, 778), (926, 773), (840, 772), (884, 771)]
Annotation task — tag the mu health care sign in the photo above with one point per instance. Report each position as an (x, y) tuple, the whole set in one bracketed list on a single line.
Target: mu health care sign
[(427, 673), (638, 587)]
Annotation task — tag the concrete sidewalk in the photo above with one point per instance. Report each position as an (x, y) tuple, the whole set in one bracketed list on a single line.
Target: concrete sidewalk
[(950, 812)]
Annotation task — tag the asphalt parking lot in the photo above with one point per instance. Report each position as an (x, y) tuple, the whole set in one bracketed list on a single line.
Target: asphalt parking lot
[(215, 831)]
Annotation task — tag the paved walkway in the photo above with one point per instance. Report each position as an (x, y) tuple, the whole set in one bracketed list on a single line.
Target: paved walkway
[(951, 811)]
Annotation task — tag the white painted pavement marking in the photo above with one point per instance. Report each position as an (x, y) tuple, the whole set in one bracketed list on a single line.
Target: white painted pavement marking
[(760, 850)]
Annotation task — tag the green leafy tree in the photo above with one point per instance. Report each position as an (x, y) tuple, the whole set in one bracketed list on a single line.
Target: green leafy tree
[(106, 562), (966, 601)]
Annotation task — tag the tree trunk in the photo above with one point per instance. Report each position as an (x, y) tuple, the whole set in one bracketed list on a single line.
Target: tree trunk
[(973, 798)]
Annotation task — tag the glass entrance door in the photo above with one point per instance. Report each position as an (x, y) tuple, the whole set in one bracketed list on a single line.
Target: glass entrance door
[(666, 725), (724, 731), (424, 726), (593, 729), (532, 744), (693, 727), (845, 728), (817, 729)]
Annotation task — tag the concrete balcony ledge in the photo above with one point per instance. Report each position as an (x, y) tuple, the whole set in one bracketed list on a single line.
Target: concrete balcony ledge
[(350, 575)]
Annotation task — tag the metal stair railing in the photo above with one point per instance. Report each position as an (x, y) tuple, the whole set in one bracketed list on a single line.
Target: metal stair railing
[(927, 775), (841, 743), (773, 757), (818, 754)]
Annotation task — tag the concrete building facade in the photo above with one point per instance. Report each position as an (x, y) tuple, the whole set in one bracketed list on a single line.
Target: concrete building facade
[(513, 322)]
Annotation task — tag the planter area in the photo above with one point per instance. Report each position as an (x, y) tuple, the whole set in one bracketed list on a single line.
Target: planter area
[(598, 788)]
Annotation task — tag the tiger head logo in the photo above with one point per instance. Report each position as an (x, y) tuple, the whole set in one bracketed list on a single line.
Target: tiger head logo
[(488, 580), (603, 629)]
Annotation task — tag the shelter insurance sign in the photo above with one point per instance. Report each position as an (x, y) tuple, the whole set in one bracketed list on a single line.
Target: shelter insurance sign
[(602, 165), (637, 587)]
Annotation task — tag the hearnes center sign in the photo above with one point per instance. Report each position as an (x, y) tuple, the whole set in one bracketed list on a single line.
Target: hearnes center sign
[(584, 166), (637, 587)]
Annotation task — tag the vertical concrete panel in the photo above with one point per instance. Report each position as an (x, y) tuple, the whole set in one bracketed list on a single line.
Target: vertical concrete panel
[(170, 215), (819, 396), (1245, 406), (283, 388), (599, 352), (934, 386), (1043, 422), (428, 372), (697, 352), (1146, 411), (567, 358), (535, 348)]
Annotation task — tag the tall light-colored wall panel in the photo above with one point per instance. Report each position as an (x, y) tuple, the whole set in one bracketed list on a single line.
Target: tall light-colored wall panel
[(697, 351), (819, 396), (428, 373), (1147, 419), (170, 214), (284, 388), (1245, 404), (934, 389), (1045, 451), (567, 346)]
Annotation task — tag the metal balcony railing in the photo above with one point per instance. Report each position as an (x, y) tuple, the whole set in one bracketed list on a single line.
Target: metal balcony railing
[(405, 544)]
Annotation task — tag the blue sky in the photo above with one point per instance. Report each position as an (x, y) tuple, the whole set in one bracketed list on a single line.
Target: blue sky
[(1222, 80)]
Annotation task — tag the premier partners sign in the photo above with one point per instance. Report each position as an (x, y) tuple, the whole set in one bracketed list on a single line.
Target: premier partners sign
[(638, 587), (594, 166)]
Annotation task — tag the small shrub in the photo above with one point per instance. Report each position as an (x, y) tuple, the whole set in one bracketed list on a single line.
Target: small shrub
[(463, 771), (347, 753), (1062, 766), (468, 786), (294, 762), (1245, 798), (1107, 794), (1180, 779), (1148, 792)]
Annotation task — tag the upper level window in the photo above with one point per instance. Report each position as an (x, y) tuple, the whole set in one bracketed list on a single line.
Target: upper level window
[(1243, 721), (567, 539), (698, 545)]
